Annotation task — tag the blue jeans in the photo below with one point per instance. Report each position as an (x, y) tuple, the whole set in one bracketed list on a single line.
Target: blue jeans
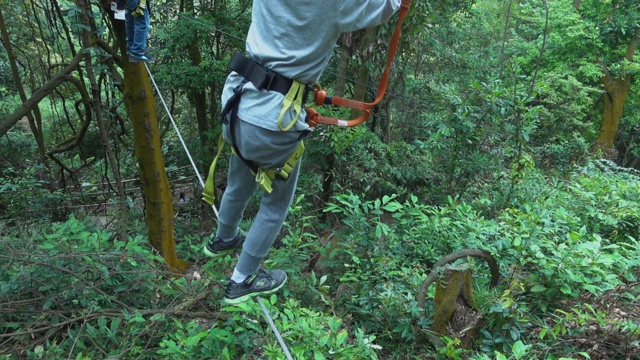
[(137, 32)]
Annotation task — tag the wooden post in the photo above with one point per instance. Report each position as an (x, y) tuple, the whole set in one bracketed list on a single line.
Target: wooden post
[(455, 311)]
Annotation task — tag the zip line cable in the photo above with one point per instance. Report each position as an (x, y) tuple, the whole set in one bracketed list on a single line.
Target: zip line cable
[(166, 108), (267, 315)]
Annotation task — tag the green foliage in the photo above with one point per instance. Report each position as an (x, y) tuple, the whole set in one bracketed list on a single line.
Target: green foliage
[(463, 139), (17, 149), (486, 96), (71, 273), (363, 163), (76, 292), (555, 243), (24, 197), (616, 22)]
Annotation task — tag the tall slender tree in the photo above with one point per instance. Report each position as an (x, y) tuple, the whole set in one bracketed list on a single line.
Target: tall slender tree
[(618, 22), (141, 106)]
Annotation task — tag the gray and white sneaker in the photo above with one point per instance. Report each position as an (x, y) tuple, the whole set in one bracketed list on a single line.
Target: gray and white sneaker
[(216, 247), (263, 282)]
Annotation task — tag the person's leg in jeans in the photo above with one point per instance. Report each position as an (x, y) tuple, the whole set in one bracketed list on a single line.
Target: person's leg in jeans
[(129, 27), (140, 34)]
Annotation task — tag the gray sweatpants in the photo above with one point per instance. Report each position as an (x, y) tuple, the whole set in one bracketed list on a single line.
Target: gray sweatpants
[(268, 149)]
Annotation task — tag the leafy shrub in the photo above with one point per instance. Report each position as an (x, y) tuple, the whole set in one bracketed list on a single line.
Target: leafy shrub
[(23, 196), (554, 241)]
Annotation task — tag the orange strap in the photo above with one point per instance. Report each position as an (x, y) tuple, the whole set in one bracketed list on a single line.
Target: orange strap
[(320, 96)]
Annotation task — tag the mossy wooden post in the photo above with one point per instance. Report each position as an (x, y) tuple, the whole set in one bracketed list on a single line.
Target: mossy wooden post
[(455, 313), (616, 91), (141, 106)]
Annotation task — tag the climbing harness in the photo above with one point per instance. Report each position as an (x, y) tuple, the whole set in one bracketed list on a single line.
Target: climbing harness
[(267, 315), (264, 177), (295, 94)]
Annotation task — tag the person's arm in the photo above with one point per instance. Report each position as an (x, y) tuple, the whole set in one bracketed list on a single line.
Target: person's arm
[(358, 14)]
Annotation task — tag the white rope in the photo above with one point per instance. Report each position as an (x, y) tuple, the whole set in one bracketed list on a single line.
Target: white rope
[(275, 329), (166, 108), (267, 315)]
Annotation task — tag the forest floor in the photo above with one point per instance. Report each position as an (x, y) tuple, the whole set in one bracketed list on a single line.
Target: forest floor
[(607, 327)]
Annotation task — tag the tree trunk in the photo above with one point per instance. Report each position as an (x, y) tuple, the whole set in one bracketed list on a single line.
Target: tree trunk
[(141, 106), (455, 313), (198, 96), (614, 99), (616, 91), (363, 72), (34, 110)]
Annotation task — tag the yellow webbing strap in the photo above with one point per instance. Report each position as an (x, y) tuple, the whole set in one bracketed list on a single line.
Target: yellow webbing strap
[(294, 97), (264, 177), (209, 192)]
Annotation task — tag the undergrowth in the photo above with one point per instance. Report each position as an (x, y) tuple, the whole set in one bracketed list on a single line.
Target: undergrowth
[(568, 252)]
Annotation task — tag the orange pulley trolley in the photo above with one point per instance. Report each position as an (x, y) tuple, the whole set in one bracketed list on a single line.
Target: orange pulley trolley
[(320, 96)]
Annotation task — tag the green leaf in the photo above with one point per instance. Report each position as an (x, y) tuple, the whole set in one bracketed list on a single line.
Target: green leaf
[(519, 349), (517, 241), (586, 355), (392, 206), (542, 333), (342, 337), (566, 289), (157, 317), (538, 288), (499, 355)]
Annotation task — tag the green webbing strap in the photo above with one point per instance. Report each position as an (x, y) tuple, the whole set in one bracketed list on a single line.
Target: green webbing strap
[(264, 177), (209, 193), (286, 169), (294, 97)]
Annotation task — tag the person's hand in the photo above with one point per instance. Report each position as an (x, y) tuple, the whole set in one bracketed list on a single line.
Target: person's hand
[(140, 9)]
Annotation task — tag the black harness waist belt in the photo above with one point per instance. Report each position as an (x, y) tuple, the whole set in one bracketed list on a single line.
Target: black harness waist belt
[(261, 77)]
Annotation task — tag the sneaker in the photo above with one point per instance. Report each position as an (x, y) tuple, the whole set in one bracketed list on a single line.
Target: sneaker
[(216, 247), (144, 58), (263, 282)]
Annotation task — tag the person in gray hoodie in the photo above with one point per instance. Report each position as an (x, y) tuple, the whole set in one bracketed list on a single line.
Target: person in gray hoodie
[(288, 47)]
